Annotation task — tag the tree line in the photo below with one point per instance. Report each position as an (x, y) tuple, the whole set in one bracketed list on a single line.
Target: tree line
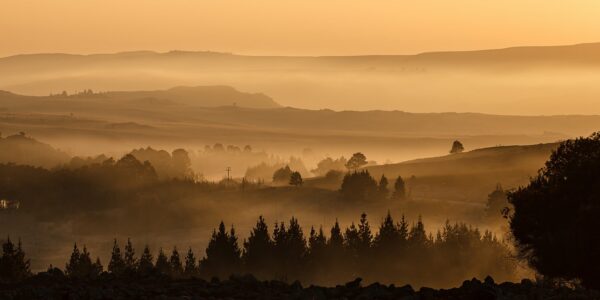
[(398, 252)]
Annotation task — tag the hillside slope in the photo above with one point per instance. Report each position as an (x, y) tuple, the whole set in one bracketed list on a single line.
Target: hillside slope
[(469, 176)]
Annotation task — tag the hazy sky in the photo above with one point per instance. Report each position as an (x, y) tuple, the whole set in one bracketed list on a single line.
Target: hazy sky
[(292, 27)]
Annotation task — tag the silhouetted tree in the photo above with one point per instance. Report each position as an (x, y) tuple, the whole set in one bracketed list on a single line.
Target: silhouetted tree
[(191, 267), (365, 236), (359, 187), (290, 246), (417, 236), (175, 263), (282, 175), (13, 265), (162, 264), (555, 220), (399, 189), (258, 250), (296, 179), (357, 161), (146, 262), (382, 188), (222, 254), (116, 264), (80, 265), (388, 236), (129, 260), (457, 147), (497, 202)]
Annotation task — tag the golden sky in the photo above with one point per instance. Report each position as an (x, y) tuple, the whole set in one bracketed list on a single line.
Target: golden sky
[(292, 27)]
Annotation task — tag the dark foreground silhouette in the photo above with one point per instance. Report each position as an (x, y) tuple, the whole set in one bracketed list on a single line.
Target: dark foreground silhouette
[(55, 285)]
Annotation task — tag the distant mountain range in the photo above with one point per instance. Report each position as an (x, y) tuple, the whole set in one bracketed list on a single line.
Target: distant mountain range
[(199, 96), (197, 116), (520, 80)]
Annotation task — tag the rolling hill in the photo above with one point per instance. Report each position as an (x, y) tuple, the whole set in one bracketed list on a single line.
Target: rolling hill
[(516, 81)]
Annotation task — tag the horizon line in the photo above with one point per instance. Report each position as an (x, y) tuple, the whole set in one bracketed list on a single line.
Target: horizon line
[(174, 51)]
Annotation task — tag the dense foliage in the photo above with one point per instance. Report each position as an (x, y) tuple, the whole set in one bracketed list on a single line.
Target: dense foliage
[(397, 252), (555, 220)]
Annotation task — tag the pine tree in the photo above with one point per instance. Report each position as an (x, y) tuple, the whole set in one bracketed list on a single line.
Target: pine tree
[(399, 189), (129, 260), (80, 265), (97, 267), (191, 268), (222, 254), (146, 265), (72, 267), (388, 236), (417, 236), (336, 240), (175, 263), (403, 229), (116, 264), (317, 242), (162, 263), (382, 188), (13, 265), (352, 240), (258, 250), (364, 233)]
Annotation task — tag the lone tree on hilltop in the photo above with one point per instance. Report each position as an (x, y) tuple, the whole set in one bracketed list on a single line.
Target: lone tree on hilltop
[(555, 218), (357, 161), (457, 147), (296, 179)]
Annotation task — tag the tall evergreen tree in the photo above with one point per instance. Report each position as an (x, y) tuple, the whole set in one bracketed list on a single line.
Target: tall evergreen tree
[(417, 236), (129, 260), (146, 264), (191, 268), (13, 265), (382, 188), (162, 265), (336, 239), (258, 250), (399, 189), (72, 267), (364, 233), (388, 236), (317, 242), (175, 262), (116, 264), (222, 254)]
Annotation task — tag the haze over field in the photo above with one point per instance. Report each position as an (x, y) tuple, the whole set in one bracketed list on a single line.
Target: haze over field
[(299, 142), (516, 81)]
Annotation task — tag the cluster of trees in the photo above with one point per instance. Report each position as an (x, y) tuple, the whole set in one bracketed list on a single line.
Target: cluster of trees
[(264, 171), (174, 165), (13, 264), (329, 164), (397, 252), (218, 147), (360, 186), (52, 194), (285, 175)]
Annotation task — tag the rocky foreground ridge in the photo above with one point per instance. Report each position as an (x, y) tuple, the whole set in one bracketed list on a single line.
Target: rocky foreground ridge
[(51, 286)]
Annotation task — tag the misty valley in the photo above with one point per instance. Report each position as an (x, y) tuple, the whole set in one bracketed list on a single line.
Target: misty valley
[(146, 187)]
